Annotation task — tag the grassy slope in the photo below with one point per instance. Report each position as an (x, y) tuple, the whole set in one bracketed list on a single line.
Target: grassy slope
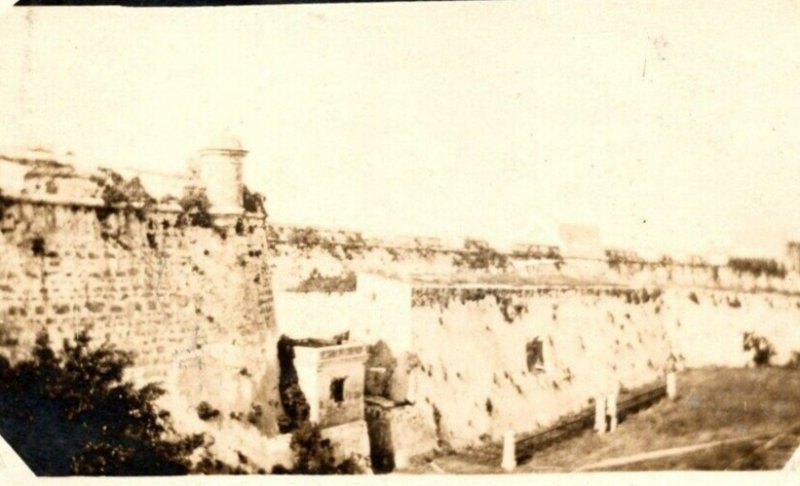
[(713, 404)]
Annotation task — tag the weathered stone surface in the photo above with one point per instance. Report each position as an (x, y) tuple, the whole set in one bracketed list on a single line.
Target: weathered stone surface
[(102, 275)]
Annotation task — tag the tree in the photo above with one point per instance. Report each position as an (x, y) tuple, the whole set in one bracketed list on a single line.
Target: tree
[(315, 454), (72, 413)]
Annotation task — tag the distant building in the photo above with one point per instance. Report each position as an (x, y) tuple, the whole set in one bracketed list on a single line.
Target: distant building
[(581, 241), (793, 255), (41, 173), (44, 174)]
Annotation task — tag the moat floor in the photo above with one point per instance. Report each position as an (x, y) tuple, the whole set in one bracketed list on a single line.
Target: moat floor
[(722, 419)]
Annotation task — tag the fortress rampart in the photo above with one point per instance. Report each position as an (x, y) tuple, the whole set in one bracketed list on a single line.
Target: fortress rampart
[(199, 286)]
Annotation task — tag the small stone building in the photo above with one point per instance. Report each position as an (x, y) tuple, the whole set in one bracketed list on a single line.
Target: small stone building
[(332, 380)]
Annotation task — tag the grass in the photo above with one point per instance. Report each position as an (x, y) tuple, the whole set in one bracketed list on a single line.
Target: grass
[(713, 404)]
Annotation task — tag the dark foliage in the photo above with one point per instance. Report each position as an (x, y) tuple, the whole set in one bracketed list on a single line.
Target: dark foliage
[(539, 252), (211, 465), (763, 350), (315, 455), (195, 205), (380, 356), (206, 412), (253, 202), (38, 246), (116, 191), (72, 413), (757, 267), (293, 400), (304, 239), (478, 255), (617, 258), (255, 414), (3, 204), (316, 282)]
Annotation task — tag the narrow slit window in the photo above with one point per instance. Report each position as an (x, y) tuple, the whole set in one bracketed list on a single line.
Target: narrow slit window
[(535, 352)]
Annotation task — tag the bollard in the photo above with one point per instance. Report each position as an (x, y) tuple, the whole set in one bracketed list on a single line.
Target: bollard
[(600, 415), (611, 411), (672, 385), (509, 453), (411, 392), (400, 460)]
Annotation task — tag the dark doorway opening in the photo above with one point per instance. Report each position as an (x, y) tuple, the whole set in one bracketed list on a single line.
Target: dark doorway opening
[(337, 390)]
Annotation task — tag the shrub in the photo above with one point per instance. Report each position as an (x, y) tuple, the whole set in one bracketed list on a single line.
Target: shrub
[(315, 455), (255, 414), (304, 239), (116, 191), (206, 412), (424, 250), (72, 413), (208, 464), (293, 400), (253, 202), (478, 255), (794, 362), (763, 350), (693, 298), (316, 282), (380, 356), (195, 206), (757, 267)]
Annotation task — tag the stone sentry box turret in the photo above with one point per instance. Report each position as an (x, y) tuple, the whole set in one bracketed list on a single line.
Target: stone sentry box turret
[(218, 168), (332, 380)]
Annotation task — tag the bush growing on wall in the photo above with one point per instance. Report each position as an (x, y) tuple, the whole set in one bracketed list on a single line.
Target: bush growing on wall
[(116, 191), (195, 206), (316, 282), (539, 252), (354, 244), (757, 267), (763, 350), (380, 356), (206, 412), (71, 413), (423, 250), (315, 455), (304, 239), (478, 255), (253, 202), (615, 259), (293, 400)]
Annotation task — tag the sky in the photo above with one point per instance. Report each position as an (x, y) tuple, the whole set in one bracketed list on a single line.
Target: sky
[(668, 125)]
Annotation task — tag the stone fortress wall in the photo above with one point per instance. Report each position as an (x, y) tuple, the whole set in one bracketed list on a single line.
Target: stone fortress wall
[(190, 297), (460, 331), (203, 303)]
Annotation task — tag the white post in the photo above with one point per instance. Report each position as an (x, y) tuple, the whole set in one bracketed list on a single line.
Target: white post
[(400, 459), (509, 454), (411, 392), (611, 410), (672, 385), (600, 415)]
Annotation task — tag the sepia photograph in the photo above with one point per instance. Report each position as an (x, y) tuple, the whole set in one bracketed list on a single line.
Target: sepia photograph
[(515, 240)]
